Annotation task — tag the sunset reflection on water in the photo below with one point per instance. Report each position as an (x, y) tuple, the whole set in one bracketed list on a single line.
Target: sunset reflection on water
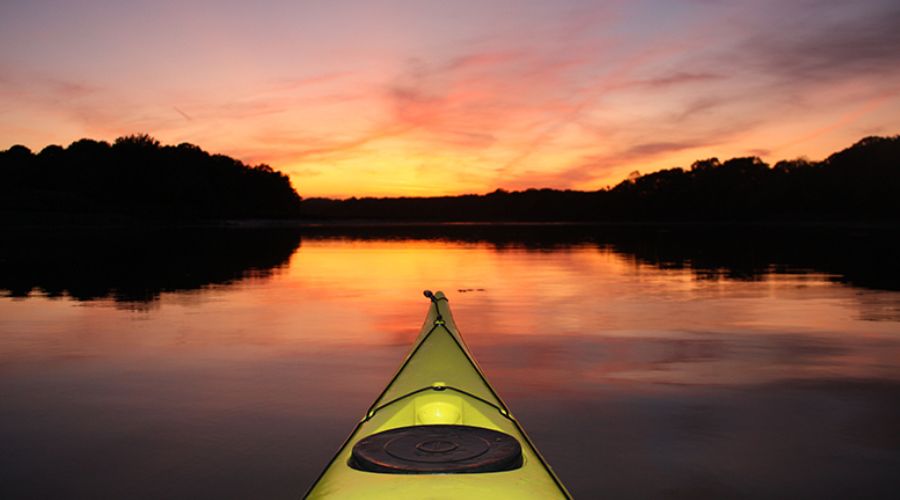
[(669, 382)]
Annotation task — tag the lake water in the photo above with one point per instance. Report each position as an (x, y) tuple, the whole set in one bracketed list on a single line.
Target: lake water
[(644, 363)]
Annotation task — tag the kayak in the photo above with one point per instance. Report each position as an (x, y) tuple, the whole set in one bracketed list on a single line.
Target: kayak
[(438, 430)]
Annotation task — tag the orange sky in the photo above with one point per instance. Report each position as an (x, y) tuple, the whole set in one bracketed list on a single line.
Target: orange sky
[(428, 98)]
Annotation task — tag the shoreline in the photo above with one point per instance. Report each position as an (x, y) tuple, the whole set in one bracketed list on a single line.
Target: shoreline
[(13, 221)]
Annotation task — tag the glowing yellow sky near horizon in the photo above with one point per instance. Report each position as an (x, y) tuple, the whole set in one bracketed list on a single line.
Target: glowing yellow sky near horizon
[(389, 98)]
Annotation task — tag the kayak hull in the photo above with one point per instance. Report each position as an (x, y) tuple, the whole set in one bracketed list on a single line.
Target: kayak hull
[(438, 383)]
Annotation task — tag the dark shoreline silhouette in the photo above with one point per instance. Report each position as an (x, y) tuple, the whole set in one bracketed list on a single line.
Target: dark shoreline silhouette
[(138, 180), (856, 184)]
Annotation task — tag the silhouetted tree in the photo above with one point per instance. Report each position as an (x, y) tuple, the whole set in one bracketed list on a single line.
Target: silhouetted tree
[(858, 183), (136, 176)]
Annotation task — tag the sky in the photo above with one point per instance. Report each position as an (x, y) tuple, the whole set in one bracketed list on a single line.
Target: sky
[(421, 98)]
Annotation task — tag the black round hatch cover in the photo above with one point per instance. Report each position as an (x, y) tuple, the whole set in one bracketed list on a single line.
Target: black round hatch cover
[(437, 449)]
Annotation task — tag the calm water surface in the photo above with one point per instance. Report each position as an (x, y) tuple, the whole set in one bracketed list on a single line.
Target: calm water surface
[(638, 370)]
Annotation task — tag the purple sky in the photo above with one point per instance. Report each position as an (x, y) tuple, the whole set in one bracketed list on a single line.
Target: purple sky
[(434, 97)]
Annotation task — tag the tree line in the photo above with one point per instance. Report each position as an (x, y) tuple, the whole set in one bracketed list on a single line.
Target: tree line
[(136, 176), (860, 183)]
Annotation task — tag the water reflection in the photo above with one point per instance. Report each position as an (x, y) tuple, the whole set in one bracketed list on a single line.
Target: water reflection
[(642, 367), (862, 256), (136, 265)]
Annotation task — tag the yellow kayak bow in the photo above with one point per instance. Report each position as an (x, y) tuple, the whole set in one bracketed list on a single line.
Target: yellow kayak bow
[(438, 430)]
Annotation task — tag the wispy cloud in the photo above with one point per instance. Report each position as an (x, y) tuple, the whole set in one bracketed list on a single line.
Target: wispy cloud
[(863, 42), (523, 94), (675, 78), (182, 113), (598, 166)]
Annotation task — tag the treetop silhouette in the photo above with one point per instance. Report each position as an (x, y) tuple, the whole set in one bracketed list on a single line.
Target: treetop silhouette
[(859, 183), (137, 176)]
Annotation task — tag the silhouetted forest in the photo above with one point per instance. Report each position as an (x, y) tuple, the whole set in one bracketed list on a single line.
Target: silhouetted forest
[(137, 177), (859, 183)]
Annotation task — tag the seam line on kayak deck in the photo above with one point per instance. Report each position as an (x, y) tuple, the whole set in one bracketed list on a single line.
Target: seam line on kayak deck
[(502, 411)]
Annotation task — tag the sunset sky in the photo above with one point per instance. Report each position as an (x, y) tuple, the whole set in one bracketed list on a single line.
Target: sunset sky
[(449, 97)]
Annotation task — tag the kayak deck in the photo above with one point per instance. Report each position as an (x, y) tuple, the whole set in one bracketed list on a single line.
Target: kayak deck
[(438, 386)]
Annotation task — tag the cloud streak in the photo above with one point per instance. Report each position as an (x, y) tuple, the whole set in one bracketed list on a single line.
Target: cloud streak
[(865, 42), (468, 96)]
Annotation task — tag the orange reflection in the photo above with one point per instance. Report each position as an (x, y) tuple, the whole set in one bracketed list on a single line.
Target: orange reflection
[(580, 311)]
